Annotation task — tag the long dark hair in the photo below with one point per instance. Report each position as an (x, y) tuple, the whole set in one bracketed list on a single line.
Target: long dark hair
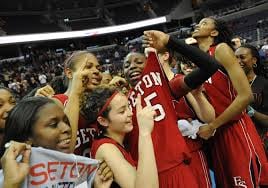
[(59, 84), (21, 119), (93, 102), (225, 33)]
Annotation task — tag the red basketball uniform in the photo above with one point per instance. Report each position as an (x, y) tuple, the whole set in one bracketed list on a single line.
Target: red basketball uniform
[(198, 162), (85, 132), (171, 152), (98, 142), (105, 140), (238, 156)]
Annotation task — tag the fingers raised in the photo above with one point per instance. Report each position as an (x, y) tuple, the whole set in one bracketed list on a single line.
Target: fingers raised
[(138, 103)]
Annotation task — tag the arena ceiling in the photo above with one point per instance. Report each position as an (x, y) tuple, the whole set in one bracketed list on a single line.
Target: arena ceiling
[(68, 15)]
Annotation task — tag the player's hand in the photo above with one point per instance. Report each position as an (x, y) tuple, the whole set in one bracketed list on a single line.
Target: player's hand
[(105, 172), (145, 117), (100, 183), (155, 39), (198, 91), (80, 79), (206, 131), (46, 91), (190, 40), (15, 172), (118, 82)]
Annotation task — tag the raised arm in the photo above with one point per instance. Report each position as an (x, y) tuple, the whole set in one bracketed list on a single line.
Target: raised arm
[(72, 107), (207, 65)]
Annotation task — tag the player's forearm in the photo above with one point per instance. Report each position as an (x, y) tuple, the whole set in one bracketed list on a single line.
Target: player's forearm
[(206, 112), (72, 111), (147, 171), (237, 106), (191, 99)]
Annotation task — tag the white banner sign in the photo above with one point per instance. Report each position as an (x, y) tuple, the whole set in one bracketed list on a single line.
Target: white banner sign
[(53, 169)]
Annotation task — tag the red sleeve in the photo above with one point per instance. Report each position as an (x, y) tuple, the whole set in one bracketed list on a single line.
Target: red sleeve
[(178, 87)]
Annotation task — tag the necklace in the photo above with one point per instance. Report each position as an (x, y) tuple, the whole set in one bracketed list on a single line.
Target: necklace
[(251, 82)]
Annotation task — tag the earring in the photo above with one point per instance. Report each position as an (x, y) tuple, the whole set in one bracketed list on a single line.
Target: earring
[(254, 65)]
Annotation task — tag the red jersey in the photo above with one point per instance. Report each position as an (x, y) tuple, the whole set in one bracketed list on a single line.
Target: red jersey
[(85, 132), (220, 90), (169, 145), (236, 149), (184, 111), (98, 142)]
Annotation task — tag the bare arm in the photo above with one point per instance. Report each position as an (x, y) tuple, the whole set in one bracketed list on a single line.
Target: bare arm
[(124, 173), (72, 107), (147, 170), (203, 109), (72, 111), (225, 56)]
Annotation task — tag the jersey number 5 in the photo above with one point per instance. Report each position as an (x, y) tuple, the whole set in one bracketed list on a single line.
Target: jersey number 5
[(157, 107)]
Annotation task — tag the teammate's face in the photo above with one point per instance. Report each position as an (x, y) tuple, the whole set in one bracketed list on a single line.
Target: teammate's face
[(120, 115), (52, 129), (205, 28), (94, 77), (134, 64), (7, 102), (246, 60), (186, 68)]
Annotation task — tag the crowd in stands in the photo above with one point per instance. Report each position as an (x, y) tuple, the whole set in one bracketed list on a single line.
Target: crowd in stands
[(40, 66), (173, 113)]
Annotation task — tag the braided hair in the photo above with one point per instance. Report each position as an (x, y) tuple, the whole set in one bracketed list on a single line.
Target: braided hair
[(225, 33)]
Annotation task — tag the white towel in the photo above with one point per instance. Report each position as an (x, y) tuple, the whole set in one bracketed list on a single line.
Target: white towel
[(189, 129)]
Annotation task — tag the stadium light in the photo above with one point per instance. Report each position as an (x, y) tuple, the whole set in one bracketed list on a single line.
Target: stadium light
[(82, 33)]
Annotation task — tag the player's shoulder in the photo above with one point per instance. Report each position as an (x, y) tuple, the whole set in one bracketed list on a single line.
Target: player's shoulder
[(222, 46)]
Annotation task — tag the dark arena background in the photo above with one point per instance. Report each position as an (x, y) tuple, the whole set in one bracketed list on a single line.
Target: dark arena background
[(190, 112), (247, 18)]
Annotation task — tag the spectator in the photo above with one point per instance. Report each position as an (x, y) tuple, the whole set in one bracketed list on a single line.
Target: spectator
[(250, 61), (42, 79), (7, 102), (236, 41)]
